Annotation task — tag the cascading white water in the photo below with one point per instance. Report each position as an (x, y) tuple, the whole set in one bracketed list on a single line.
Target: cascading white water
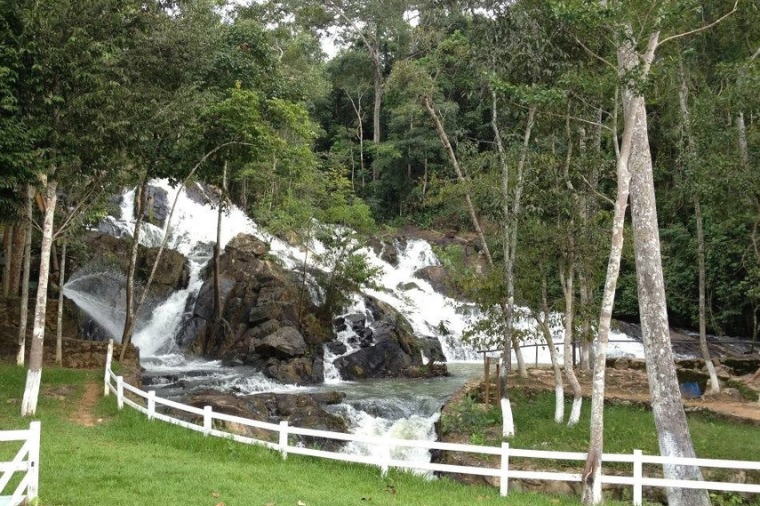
[(193, 229)]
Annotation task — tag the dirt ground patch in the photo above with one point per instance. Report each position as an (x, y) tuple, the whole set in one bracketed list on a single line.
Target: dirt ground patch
[(84, 412), (630, 386)]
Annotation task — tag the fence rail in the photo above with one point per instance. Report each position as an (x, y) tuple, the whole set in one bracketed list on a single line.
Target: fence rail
[(26, 462), (148, 403)]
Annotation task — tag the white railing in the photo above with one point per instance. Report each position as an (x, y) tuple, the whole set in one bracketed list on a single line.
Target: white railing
[(637, 459), (26, 461)]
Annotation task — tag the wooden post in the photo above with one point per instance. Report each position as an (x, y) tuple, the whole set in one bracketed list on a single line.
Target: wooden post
[(109, 358), (34, 462), (487, 380), (504, 476), (120, 392), (151, 404), (637, 476), (284, 439), (207, 420)]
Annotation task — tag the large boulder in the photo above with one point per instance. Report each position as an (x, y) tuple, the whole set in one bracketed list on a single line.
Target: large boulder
[(267, 321), (388, 346)]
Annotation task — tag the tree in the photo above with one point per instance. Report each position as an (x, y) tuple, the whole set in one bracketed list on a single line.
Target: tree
[(71, 88), (633, 67)]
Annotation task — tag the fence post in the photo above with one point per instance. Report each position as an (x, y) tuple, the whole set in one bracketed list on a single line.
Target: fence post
[(208, 415), (120, 392), (637, 476), (34, 461), (503, 477), (151, 404), (284, 439), (109, 358)]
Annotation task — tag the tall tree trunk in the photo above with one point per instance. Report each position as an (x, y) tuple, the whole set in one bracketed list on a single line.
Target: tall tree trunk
[(542, 318), (592, 485), (714, 382), (34, 373), (8, 245), (444, 138), (567, 276), (357, 106), (17, 260), (511, 211), (130, 315), (59, 326), (589, 209), (217, 250), (670, 418), (377, 72), (691, 162), (24, 311)]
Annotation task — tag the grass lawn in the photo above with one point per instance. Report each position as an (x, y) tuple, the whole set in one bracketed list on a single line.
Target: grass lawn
[(128, 460)]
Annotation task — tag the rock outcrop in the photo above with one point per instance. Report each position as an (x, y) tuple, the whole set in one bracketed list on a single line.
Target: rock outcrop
[(267, 317), (388, 346)]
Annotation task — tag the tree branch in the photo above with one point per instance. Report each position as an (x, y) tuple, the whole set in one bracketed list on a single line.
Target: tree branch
[(598, 57), (702, 28)]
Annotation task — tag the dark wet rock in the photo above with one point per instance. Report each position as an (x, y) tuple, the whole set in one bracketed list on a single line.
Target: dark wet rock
[(299, 410), (440, 280), (388, 345), (157, 206), (282, 343), (266, 321)]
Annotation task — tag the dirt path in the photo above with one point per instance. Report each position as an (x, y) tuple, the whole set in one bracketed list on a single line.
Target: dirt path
[(631, 386), (84, 414)]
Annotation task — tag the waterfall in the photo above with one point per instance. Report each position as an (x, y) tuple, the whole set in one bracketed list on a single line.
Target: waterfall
[(394, 408)]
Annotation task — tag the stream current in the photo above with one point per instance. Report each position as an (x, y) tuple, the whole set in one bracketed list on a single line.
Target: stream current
[(400, 408)]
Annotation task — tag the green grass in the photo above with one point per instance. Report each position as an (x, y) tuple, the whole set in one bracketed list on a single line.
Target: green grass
[(127, 460), (626, 428)]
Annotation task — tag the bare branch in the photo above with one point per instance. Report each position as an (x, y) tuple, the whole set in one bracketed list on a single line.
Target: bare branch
[(701, 28), (598, 57), (596, 192)]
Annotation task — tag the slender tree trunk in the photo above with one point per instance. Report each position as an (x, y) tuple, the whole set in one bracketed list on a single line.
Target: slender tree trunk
[(24, 311), (567, 278), (444, 138), (543, 323), (17, 260), (357, 106), (670, 418), (217, 250), (378, 81), (8, 244), (691, 161), (714, 382), (34, 373), (59, 327), (592, 486), (130, 315)]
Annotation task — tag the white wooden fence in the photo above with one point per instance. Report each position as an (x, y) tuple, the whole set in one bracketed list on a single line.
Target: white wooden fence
[(26, 461), (637, 459)]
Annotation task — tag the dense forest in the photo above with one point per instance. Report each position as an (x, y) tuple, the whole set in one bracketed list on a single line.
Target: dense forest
[(415, 115)]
